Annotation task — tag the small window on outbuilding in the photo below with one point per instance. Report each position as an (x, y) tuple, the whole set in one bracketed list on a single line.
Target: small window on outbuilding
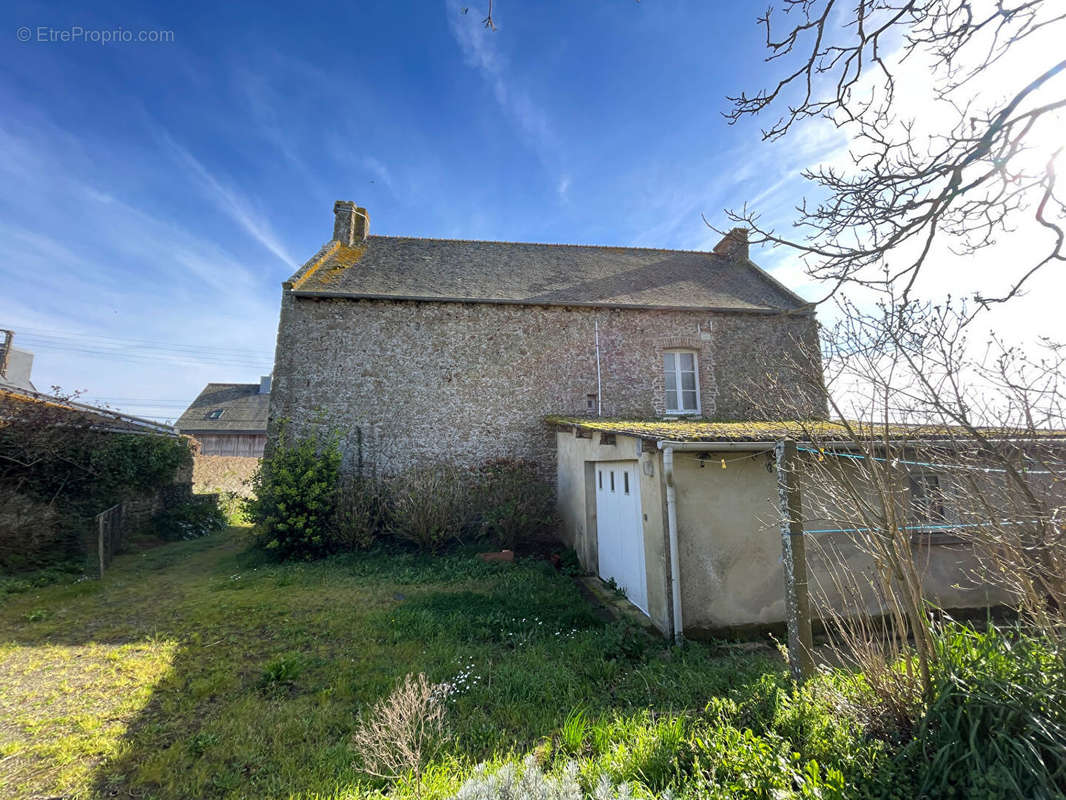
[(927, 500), (682, 386), (215, 413)]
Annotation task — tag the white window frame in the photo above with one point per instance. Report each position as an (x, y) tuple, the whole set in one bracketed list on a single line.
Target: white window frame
[(677, 377)]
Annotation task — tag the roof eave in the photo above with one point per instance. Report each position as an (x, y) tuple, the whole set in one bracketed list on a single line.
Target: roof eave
[(806, 311)]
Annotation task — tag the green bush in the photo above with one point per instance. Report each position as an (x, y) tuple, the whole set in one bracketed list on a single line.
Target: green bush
[(741, 764), (997, 723), (294, 497), (515, 504), (431, 506), (189, 520), (232, 506)]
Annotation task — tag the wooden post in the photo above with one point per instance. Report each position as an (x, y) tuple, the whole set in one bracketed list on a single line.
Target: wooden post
[(100, 540), (794, 561)]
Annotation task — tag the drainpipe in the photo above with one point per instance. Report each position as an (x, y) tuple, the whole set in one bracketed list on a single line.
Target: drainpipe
[(599, 383), (671, 524)]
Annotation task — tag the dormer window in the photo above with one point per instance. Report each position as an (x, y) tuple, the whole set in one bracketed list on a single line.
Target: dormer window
[(682, 387), (215, 413)]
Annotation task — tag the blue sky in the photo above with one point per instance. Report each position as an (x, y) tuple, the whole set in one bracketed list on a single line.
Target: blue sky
[(160, 192)]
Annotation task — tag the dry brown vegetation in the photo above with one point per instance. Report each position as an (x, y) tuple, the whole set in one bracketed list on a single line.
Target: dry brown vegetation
[(223, 474)]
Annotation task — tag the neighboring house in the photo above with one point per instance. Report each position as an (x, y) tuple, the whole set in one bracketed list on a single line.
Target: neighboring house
[(229, 419), (417, 350), (15, 364)]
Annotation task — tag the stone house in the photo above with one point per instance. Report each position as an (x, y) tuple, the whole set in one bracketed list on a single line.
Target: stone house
[(621, 372), (417, 350)]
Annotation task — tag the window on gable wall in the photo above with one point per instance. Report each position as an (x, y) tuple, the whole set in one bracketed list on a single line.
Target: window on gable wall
[(927, 500), (682, 386)]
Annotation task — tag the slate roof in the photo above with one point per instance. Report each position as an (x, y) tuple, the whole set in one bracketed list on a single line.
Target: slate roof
[(388, 267), (244, 410), (764, 431)]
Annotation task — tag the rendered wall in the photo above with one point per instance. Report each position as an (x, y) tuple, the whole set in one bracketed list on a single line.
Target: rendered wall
[(730, 551), (577, 506)]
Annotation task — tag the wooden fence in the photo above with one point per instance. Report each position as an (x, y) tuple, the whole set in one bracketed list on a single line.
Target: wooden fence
[(110, 525)]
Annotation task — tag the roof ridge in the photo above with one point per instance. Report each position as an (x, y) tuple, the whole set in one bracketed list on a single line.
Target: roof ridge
[(553, 244)]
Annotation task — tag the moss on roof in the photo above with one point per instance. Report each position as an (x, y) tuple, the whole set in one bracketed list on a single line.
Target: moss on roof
[(538, 274), (697, 430)]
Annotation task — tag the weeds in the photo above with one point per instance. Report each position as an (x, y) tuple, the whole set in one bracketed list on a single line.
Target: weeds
[(997, 725), (431, 505), (280, 674), (574, 732)]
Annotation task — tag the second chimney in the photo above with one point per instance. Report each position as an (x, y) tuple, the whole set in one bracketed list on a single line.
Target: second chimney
[(733, 245), (351, 224)]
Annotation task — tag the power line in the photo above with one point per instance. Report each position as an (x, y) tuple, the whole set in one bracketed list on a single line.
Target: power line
[(971, 467), (149, 357), (143, 350), (945, 527), (151, 343)]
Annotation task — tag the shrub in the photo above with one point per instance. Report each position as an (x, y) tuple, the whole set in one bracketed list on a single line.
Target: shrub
[(516, 505), (402, 731), (997, 724), (742, 764), (361, 512), (431, 505), (294, 494), (189, 520), (232, 505), (528, 782)]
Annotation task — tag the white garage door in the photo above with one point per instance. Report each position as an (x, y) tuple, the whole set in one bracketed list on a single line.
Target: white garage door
[(619, 530)]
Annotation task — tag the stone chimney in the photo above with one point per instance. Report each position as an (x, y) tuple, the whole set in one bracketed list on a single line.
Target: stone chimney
[(733, 245), (264, 384), (351, 224)]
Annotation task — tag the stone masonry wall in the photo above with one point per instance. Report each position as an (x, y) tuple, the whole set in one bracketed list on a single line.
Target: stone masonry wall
[(424, 381)]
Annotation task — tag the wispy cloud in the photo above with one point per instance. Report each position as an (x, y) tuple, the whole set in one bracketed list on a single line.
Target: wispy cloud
[(81, 254), (481, 52), (229, 201)]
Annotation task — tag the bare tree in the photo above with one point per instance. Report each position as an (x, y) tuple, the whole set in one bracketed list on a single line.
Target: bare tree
[(906, 191), (939, 452)]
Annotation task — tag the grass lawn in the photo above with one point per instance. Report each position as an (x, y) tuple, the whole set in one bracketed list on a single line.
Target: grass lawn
[(198, 670)]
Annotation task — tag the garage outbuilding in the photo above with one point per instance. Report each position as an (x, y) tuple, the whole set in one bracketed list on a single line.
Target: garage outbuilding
[(684, 518)]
